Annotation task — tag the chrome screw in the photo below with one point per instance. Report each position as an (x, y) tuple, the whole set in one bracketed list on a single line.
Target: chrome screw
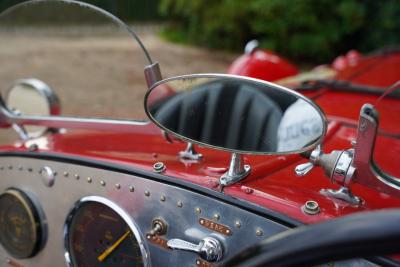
[(238, 224), (259, 232), (311, 207), (159, 167), (33, 148)]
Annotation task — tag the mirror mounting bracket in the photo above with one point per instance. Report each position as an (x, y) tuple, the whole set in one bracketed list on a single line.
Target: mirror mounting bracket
[(345, 167), (190, 153), (237, 171), (153, 74)]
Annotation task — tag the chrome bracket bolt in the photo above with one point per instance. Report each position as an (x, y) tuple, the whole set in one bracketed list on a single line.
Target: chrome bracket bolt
[(159, 167), (311, 207)]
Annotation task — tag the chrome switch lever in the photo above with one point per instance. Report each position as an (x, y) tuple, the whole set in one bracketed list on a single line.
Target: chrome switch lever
[(303, 169), (210, 249)]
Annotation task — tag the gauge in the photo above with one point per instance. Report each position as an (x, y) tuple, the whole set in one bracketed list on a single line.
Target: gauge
[(21, 227), (99, 233)]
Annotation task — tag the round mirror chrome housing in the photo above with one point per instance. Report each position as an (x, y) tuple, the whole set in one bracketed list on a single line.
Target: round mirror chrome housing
[(34, 98), (236, 114)]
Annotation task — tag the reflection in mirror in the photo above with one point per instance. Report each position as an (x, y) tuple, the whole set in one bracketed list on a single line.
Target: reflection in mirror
[(93, 61), (236, 114)]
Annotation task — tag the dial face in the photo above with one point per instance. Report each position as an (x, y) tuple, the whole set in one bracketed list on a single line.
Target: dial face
[(20, 226), (98, 236)]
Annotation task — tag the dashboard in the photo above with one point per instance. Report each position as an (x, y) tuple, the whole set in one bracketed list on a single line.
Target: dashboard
[(59, 213)]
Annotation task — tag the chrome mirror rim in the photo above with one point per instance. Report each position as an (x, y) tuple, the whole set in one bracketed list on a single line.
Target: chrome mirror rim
[(242, 78), (43, 89)]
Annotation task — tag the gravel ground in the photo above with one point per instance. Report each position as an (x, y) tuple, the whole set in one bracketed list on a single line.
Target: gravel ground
[(99, 75)]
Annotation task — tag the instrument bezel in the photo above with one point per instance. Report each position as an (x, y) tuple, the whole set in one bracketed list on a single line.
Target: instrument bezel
[(125, 216)]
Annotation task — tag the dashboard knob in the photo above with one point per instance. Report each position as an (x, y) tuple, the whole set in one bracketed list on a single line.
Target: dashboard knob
[(209, 248)]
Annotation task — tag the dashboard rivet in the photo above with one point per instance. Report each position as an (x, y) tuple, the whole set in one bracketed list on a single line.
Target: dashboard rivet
[(131, 188), (201, 221), (238, 224), (197, 210), (217, 216), (48, 176), (20, 168), (259, 232), (118, 186), (179, 204), (311, 207), (10, 167), (76, 176), (30, 169), (159, 167), (162, 198), (147, 193), (1, 168), (103, 183), (198, 262), (89, 180), (66, 174), (228, 232)]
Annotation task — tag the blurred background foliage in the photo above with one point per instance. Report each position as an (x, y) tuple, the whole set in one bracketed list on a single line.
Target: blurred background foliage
[(131, 10), (302, 30), (313, 31)]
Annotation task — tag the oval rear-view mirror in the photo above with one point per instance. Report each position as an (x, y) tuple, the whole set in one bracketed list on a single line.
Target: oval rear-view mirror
[(236, 114)]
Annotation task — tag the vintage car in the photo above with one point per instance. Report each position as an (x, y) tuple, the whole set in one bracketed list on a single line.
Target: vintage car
[(220, 174)]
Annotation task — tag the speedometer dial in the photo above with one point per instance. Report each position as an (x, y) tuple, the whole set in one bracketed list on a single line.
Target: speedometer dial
[(99, 233), (21, 227)]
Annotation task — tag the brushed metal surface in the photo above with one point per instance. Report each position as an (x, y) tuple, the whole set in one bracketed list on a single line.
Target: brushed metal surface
[(142, 199)]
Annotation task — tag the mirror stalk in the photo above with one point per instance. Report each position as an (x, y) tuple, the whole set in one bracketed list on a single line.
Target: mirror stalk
[(237, 171), (153, 74), (190, 153), (20, 130)]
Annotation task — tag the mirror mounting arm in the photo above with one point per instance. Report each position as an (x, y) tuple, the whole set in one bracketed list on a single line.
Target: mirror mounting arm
[(190, 153), (237, 171), (344, 167), (153, 74)]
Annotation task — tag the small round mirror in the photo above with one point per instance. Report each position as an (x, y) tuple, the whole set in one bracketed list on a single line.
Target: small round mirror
[(236, 114), (32, 97)]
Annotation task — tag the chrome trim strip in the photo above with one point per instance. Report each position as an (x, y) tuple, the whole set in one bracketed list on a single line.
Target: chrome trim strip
[(70, 122), (120, 212)]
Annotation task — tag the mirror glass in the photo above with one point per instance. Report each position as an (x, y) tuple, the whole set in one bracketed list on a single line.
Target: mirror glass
[(32, 97), (236, 114), (93, 61)]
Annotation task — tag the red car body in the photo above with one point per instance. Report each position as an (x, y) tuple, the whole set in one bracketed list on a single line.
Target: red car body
[(272, 183)]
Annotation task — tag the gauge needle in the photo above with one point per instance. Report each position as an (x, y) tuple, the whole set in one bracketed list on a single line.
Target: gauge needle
[(109, 250)]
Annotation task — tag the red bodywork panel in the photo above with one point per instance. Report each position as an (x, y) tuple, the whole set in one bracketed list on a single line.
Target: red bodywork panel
[(272, 182)]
